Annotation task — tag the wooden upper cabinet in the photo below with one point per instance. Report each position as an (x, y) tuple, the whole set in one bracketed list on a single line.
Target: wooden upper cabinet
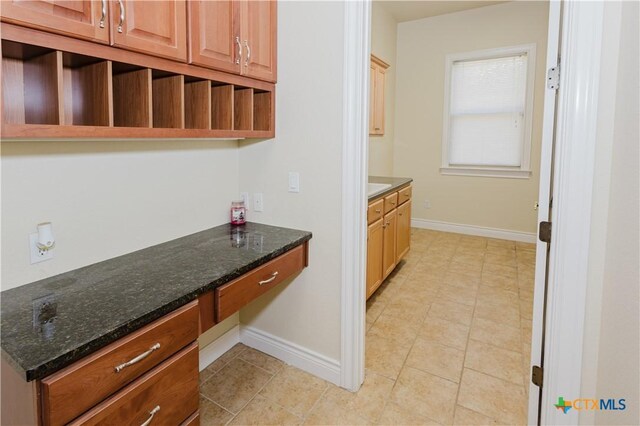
[(157, 28), (258, 30), (86, 19), (376, 96), (214, 34)]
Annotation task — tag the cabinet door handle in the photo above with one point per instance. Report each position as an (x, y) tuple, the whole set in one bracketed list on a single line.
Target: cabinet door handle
[(393, 203), (151, 414), (378, 211), (104, 13), (268, 280), (239, 58), (137, 359), (246, 61), (121, 16)]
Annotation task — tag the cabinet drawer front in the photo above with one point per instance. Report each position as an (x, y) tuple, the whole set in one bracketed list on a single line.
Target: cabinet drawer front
[(404, 195), (169, 393), (375, 211), (390, 202), (234, 295), (90, 380)]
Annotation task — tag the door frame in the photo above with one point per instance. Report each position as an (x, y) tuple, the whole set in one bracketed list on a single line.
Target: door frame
[(355, 170)]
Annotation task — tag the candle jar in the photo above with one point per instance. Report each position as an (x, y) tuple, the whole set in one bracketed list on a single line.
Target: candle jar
[(238, 213)]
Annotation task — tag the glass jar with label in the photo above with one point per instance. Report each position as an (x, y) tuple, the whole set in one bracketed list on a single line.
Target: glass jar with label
[(238, 213)]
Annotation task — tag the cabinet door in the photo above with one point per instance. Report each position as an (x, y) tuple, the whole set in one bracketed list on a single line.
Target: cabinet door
[(389, 249), (214, 27), (378, 114), (372, 98), (258, 27), (374, 256), (86, 19), (403, 230), (155, 27)]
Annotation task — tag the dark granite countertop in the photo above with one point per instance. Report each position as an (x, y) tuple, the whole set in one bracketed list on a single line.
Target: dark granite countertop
[(395, 182), (97, 304)]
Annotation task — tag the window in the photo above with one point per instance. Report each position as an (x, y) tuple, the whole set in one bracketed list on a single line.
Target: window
[(487, 112)]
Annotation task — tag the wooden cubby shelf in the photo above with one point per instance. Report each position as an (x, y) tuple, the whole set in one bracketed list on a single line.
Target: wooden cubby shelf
[(55, 93)]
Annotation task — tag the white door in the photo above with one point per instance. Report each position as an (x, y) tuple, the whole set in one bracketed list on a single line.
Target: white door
[(544, 205)]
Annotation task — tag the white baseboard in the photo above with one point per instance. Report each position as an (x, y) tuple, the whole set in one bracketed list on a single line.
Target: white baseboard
[(218, 347), (291, 353), (503, 234)]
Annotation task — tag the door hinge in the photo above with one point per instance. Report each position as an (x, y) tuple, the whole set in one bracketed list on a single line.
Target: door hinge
[(553, 77), (544, 233), (536, 375)]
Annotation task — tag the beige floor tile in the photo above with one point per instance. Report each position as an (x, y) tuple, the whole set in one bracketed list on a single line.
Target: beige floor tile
[(235, 385), (223, 360), (408, 310), (505, 271), (423, 295), (501, 259), (501, 250), (493, 397), (525, 246), (442, 361), (494, 361), (497, 313), (526, 309), (462, 280), (374, 309), (498, 304), (262, 360), (469, 259), (383, 356), (397, 329), (465, 296), (499, 281), (451, 311), (501, 335), (466, 417), (491, 242), (436, 330), (370, 399), (327, 412), (295, 390), (425, 395), (393, 415), (498, 295), (211, 414), (261, 411), (466, 268)]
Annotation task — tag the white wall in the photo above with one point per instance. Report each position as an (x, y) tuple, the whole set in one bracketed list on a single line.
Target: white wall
[(383, 45), (612, 331), (422, 47), (309, 140), (108, 198)]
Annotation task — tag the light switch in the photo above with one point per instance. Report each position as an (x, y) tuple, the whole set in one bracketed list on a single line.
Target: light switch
[(294, 182)]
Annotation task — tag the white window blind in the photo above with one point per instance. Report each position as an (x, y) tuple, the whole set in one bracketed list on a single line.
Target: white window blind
[(487, 111)]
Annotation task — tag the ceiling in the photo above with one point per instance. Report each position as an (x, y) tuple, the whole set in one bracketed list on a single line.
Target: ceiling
[(403, 10)]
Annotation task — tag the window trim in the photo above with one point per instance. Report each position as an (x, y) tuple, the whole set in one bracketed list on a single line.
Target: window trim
[(522, 172)]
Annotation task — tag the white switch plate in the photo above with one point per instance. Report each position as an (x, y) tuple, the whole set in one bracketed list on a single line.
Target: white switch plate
[(38, 255), (258, 204), (294, 182), (245, 198)]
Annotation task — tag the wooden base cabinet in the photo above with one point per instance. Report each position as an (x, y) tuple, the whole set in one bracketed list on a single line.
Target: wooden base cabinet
[(388, 235), (375, 238)]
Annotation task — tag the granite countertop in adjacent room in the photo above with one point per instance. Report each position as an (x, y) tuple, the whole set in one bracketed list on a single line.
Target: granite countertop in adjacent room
[(395, 182), (97, 304)]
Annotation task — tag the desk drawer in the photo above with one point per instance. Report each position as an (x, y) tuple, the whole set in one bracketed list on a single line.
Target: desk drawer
[(390, 202), (404, 195), (74, 389), (232, 296), (374, 212), (168, 393)]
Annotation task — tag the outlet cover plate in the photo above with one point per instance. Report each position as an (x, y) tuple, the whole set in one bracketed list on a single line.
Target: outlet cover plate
[(38, 255)]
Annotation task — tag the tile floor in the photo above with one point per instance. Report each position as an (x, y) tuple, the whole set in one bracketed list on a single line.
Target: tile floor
[(448, 342)]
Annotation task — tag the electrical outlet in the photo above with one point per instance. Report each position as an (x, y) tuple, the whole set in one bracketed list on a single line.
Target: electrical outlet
[(427, 204), (258, 204), (37, 254)]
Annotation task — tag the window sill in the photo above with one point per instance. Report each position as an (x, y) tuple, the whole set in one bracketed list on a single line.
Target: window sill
[(486, 172)]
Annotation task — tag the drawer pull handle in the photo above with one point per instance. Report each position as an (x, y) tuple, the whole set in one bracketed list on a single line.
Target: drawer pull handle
[(393, 203), (139, 358), (268, 280), (151, 414), (378, 211)]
